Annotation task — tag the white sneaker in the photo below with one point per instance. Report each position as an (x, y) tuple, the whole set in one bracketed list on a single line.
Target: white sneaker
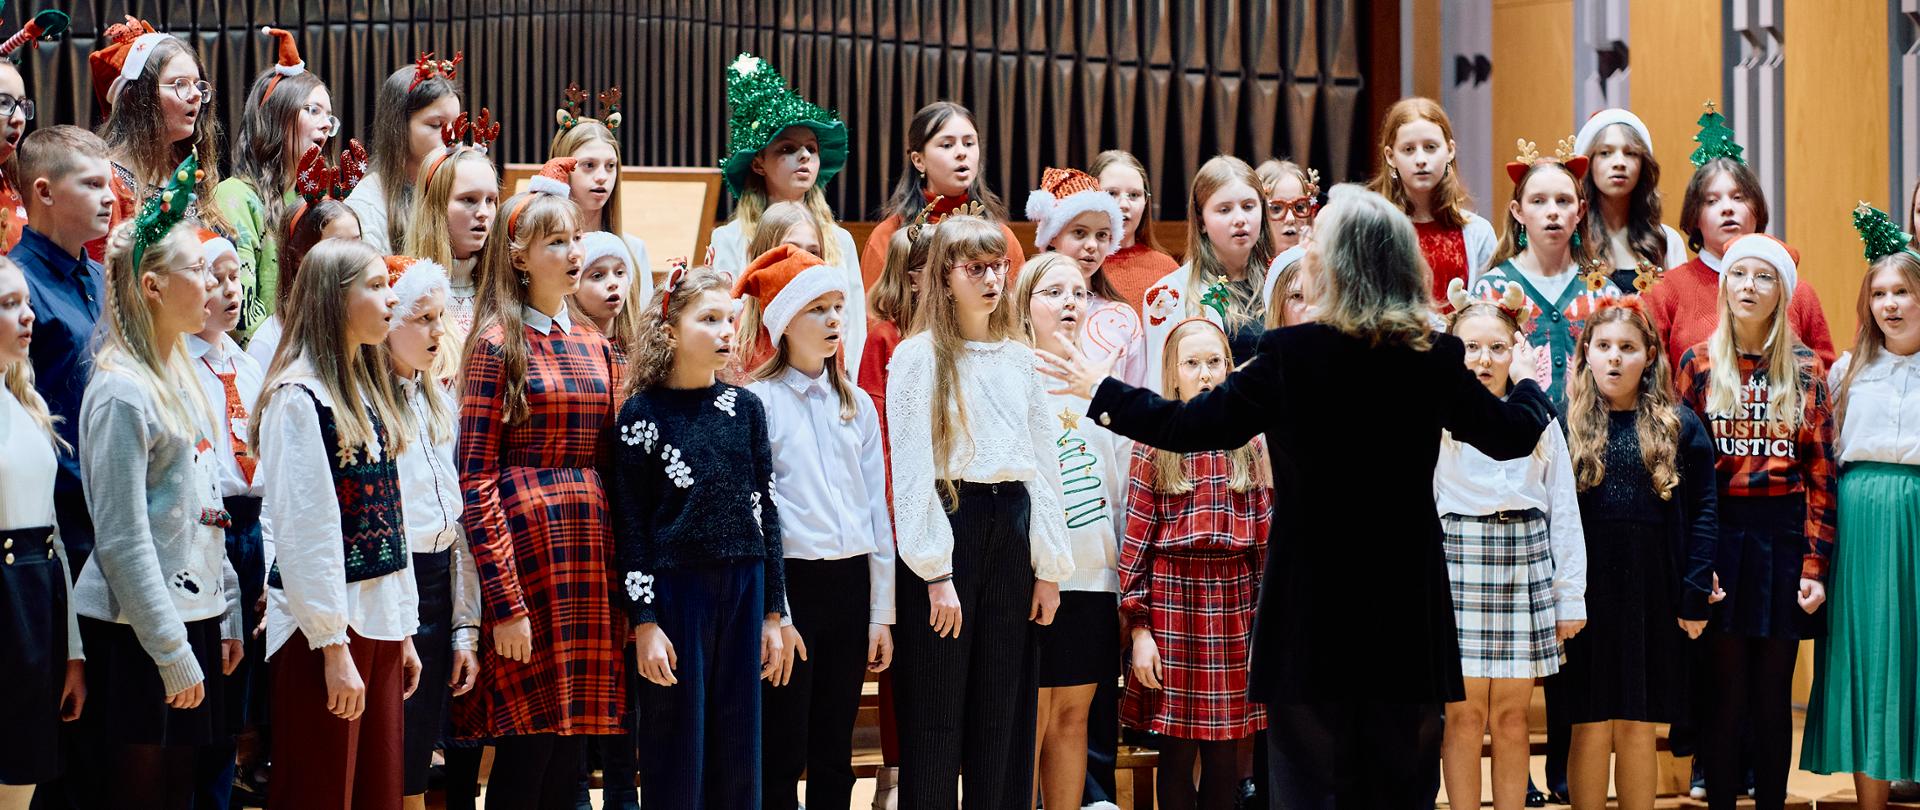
[(1697, 792)]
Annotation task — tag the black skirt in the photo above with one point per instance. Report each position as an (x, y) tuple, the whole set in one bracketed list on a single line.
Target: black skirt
[(426, 711), (33, 656), (1630, 661), (1082, 646), (126, 703), (1762, 543)]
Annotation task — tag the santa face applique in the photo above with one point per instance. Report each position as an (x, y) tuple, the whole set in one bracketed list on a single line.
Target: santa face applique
[(1163, 302)]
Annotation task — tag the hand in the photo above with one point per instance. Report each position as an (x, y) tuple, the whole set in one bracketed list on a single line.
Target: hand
[(1146, 658), (1717, 595), (653, 654), (879, 647), (1525, 365), (231, 653), (1693, 628), (1568, 628), (409, 668), (1046, 602), (260, 609), (189, 697), (1078, 376), (943, 609), (1813, 594), (466, 668), (73, 693), (778, 645), (513, 639), (346, 693)]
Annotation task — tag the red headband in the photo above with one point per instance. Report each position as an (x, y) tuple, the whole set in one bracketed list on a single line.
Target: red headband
[(478, 135), (674, 277)]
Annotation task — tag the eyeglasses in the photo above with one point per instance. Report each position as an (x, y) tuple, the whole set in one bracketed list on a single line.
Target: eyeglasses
[(198, 269), (979, 270), (333, 124), (1498, 351), (188, 89), (1056, 293), (9, 104), (1764, 279), (1302, 207)]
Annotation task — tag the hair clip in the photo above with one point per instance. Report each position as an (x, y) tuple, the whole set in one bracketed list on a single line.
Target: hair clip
[(426, 67)]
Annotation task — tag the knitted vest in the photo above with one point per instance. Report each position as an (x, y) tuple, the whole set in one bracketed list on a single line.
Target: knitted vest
[(372, 526)]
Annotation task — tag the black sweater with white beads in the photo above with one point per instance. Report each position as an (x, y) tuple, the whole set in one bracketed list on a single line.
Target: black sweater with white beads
[(689, 481)]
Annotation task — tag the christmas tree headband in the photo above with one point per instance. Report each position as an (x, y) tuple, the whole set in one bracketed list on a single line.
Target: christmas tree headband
[(316, 180), (1563, 154), (1715, 139), (1881, 237), (160, 213), (573, 108)]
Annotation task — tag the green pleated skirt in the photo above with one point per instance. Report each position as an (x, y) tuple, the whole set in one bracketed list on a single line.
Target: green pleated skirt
[(1864, 715)]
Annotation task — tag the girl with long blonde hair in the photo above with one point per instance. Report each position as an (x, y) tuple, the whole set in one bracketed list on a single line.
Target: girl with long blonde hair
[(983, 538), (1760, 392), (594, 183), (455, 210), (1644, 467), (1229, 249)]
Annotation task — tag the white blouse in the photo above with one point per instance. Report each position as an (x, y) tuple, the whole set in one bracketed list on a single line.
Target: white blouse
[(1468, 483), (431, 502), (209, 361), (1883, 410), (302, 516), (727, 253), (368, 202), (1093, 493), (830, 480), (1009, 438), (26, 492)]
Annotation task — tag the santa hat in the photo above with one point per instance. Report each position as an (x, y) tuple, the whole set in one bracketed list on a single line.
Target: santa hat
[(551, 181), (411, 280), (129, 45), (288, 61), (213, 246), (1281, 262), (784, 280), (48, 24), (1785, 259), (598, 245), (1598, 123), (1067, 193)]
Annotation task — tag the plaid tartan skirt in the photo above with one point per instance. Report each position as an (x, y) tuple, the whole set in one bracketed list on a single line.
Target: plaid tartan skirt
[(1501, 568), (1202, 621)]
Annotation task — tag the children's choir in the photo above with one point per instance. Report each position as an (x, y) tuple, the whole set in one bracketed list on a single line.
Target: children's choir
[(353, 451)]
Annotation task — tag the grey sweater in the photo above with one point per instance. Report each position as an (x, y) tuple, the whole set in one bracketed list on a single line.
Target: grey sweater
[(158, 562)]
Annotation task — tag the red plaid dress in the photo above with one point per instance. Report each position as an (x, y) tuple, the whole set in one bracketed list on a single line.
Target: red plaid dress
[(1190, 572), (536, 517)]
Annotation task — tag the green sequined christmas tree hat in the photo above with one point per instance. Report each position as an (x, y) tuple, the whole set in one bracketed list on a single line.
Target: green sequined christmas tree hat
[(1877, 231), (1715, 139), (762, 107)]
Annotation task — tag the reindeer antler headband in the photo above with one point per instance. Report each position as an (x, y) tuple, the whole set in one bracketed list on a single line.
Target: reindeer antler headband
[(426, 67), (1563, 154), (573, 108)]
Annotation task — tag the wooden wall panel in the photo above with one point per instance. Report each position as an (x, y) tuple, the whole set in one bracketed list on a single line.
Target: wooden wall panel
[(1532, 86), (1835, 146), (1054, 81), (1675, 71)]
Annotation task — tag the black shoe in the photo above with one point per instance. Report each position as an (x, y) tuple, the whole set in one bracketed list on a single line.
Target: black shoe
[(1558, 798), (1535, 798)]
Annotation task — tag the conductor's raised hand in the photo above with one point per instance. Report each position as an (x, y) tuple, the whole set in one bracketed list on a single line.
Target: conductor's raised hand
[(1077, 374)]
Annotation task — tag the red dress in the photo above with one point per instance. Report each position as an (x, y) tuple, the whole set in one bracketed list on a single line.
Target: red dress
[(536, 518), (1446, 252), (1190, 572)]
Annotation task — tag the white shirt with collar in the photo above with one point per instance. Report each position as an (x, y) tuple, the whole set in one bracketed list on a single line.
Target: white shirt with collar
[(1883, 410), (559, 323), (431, 501), (830, 479), (209, 361), (301, 516), (1467, 482)]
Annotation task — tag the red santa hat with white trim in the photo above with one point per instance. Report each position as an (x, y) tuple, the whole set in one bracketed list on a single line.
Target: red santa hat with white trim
[(785, 280), (213, 246), (412, 280), (1067, 193)]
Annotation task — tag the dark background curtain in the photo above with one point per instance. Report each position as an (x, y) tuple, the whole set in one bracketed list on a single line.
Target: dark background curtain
[(1053, 81)]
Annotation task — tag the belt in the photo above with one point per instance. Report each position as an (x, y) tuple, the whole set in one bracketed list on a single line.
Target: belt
[(26, 545)]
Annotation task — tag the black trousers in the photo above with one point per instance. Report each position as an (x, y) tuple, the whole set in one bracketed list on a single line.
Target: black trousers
[(807, 725), (700, 738), (966, 704), (426, 711), (1349, 756)]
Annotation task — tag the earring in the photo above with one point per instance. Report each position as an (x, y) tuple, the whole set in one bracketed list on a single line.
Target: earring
[(1520, 238), (1576, 238), (1395, 173), (523, 280)]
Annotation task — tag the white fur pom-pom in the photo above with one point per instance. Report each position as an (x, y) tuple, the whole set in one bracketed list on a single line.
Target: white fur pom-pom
[(1039, 204)]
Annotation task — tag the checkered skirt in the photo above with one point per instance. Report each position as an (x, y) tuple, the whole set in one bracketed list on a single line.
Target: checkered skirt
[(1202, 623), (1502, 576)]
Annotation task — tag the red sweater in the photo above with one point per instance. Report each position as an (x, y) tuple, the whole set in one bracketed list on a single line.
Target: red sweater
[(1133, 269), (873, 257), (1683, 307)]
